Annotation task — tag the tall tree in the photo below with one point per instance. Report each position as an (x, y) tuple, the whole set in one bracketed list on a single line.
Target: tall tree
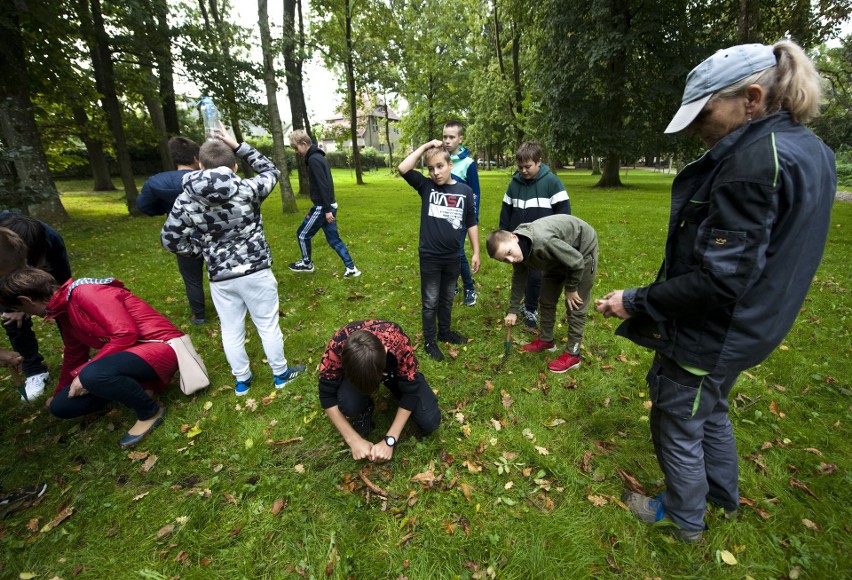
[(17, 121), (163, 55), (288, 201), (293, 48)]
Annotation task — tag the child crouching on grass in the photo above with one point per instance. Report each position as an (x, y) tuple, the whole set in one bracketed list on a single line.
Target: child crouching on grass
[(360, 357), (565, 249), (446, 208)]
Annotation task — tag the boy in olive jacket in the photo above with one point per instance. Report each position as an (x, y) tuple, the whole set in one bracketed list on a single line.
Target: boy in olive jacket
[(565, 249)]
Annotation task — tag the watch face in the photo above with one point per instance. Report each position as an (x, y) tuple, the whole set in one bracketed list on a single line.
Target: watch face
[(390, 440)]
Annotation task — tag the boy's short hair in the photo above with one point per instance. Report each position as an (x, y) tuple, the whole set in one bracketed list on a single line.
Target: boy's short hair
[(300, 136), (455, 124), (528, 151), (364, 361), (216, 154), (13, 252), (431, 153), (496, 239), (30, 282), (184, 151), (32, 232)]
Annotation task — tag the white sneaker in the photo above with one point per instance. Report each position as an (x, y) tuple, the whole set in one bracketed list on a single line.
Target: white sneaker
[(352, 272), (34, 387)]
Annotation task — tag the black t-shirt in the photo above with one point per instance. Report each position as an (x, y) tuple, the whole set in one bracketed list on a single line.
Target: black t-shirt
[(445, 211)]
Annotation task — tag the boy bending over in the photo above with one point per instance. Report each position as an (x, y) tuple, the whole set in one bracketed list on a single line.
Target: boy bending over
[(565, 249), (361, 356), (446, 209)]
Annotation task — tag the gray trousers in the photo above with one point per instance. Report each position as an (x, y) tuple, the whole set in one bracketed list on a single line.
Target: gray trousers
[(552, 286), (693, 440)]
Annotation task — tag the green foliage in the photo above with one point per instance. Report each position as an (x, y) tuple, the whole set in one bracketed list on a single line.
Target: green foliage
[(494, 505), (844, 167)]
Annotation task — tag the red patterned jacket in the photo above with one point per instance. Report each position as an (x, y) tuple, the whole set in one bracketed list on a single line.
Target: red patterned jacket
[(399, 348)]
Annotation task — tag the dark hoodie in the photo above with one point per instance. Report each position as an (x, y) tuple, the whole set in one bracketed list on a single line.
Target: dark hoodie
[(218, 216), (319, 174), (526, 201)]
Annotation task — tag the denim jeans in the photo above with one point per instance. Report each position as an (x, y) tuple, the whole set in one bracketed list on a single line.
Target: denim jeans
[(117, 377), (25, 343), (313, 222), (464, 265), (192, 272), (437, 289)]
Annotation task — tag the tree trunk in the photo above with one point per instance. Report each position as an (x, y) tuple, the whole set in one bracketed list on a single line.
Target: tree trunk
[(610, 176), (17, 120), (387, 133), (95, 152), (279, 156), (165, 68), (353, 97), (151, 98), (748, 29), (516, 78), (293, 61), (105, 83), (596, 165)]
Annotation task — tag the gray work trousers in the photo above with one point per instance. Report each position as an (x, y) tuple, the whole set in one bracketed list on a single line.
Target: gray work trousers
[(552, 287), (693, 440)]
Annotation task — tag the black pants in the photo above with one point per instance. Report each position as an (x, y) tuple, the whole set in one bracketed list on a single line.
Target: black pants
[(25, 343), (437, 290), (426, 414), (116, 377), (192, 272)]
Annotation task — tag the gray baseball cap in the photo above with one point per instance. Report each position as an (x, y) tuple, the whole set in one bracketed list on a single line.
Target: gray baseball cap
[(721, 70)]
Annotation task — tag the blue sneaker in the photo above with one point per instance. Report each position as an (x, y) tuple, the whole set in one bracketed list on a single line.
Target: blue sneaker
[(288, 375), (243, 386)]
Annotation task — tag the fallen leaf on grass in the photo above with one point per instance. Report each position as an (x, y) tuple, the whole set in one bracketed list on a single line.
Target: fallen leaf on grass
[(27, 575), (373, 487), (183, 556), (766, 445), (465, 489), (426, 478), (542, 450), (278, 506), (630, 481), (773, 408), (826, 468), (193, 432), (796, 483), (149, 463), (496, 424), (32, 525), (489, 385), (472, 467), (230, 498), (727, 557), (811, 525), (555, 423), (757, 458), (506, 398), (283, 441), (60, 517), (137, 455), (587, 458), (607, 367), (454, 353), (597, 500), (814, 451), (165, 531), (528, 434), (404, 540), (611, 561), (299, 468)]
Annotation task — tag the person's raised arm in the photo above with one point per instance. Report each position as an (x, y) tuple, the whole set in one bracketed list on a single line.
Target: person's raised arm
[(410, 162)]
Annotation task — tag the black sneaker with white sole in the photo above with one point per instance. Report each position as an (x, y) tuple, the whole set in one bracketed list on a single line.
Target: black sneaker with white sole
[(302, 266)]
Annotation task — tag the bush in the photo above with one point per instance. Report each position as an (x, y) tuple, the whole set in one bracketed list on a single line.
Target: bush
[(844, 167)]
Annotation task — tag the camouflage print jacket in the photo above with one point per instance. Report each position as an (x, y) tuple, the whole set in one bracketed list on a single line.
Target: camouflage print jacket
[(218, 216)]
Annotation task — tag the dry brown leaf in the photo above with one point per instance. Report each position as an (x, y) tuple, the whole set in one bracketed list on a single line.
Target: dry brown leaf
[(617, 502), (630, 481), (404, 540), (278, 506), (587, 458), (762, 513), (489, 385), (814, 450), (206, 561), (826, 468), (621, 358), (165, 531), (496, 424), (449, 526), (506, 399), (182, 556), (773, 408), (60, 517), (426, 478), (454, 353), (747, 501), (149, 463), (230, 498), (811, 525), (465, 489), (137, 455), (284, 441), (32, 525), (597, 500), (542, 450), (299, 468), (610, 559), (757, 458), (472, 467), (607, 367), (766, 445), (796, 483)]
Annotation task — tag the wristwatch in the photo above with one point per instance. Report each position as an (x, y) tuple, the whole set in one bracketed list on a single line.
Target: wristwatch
[(390, 440)]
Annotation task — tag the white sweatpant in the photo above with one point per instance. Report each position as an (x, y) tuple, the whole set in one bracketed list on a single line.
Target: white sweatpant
[(258, 293)]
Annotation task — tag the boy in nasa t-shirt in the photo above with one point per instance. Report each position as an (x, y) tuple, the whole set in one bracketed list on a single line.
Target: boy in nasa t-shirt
[(446, 208)]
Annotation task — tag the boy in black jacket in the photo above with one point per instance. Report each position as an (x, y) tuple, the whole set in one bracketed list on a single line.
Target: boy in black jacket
[(323, 214)]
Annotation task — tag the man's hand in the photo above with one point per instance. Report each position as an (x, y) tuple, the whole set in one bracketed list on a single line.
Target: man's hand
[(573, 300), (612, 305), (361, 448), (225, 138), (76, 389), (329, 217), (436, 143), (16, 318), (9, 358), (381, 452), (511, 319)]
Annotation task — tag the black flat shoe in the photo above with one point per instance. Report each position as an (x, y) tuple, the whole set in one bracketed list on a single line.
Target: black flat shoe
[(130, 440)]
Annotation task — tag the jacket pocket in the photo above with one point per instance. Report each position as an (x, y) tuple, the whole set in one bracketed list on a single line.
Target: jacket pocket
[(723, 250)]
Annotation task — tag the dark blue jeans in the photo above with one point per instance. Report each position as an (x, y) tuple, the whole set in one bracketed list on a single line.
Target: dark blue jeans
[(117, 378), (313, 222), (25, 343), (693, 440), (427, 414), (437, 289), (464, 265), (192, 272)]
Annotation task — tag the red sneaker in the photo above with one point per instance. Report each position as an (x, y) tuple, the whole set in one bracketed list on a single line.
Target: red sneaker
[(539, 345), (565, 362)]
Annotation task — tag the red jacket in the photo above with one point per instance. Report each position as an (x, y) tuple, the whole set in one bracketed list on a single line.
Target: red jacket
[(101, 313)]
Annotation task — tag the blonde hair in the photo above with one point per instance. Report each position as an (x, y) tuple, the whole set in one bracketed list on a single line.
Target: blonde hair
[(300, 136), (431, 153), (792, 85)]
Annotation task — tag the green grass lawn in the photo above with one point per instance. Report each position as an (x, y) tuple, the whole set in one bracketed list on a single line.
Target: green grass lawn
[(520, 481)]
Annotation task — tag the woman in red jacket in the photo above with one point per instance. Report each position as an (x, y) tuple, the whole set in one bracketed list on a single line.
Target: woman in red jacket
[(130, 337)]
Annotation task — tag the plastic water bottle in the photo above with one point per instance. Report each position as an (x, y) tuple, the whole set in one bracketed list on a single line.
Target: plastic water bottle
[(210, 116)]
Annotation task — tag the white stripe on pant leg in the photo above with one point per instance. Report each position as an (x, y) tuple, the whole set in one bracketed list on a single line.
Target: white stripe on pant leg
[(232, 315), (261, 295), (315, 213)]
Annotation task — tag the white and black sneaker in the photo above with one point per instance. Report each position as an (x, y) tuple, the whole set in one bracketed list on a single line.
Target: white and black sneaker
[(302, 266), (352, 272), (34, 387)]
